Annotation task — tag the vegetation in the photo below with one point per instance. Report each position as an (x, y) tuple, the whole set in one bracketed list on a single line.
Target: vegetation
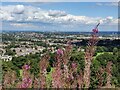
[(68, 67), (100, 61)]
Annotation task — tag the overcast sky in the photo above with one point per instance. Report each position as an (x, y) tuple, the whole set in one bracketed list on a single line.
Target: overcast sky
[(59, 16)]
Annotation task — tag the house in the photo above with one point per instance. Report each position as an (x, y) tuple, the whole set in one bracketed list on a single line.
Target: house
[(6, 58)]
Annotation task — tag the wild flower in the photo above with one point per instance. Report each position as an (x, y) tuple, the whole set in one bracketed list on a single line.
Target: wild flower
[(26, 78), (26, 82), (43, 70), (89, 56), (26, 67), (60, 52), (36, 83), (74, 65), (57, 79), (95, 30), (9, 79)]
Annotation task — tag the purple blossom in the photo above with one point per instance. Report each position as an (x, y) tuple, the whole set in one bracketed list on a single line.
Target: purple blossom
[(95, 30), (25, 79), (29, 80), (60, 52), (27, 67), (26, 83), (74, 65)]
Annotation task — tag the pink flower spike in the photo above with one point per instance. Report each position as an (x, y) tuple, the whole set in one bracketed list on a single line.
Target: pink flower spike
[(27, 67), (29, 80), (95, 30), (60, 52), (74, 65), (25, 79), (24, 85)]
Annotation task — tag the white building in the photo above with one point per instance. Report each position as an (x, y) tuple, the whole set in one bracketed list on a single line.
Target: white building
[(6, 58)]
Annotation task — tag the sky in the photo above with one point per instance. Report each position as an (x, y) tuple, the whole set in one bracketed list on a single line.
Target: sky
[(59, 16)]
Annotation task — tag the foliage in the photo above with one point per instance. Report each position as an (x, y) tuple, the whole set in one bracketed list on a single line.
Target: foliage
[(105, 57), (10, 52), (54, 72)]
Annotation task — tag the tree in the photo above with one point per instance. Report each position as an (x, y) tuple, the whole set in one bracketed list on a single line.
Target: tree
[(99, 49), (34, 67), (19, 61), (9, 52), (116, 71), (79, 58), (115, 51), (105, 57)]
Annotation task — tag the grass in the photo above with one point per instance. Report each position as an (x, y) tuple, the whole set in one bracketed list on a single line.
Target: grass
[(102, 53), (21, 72), (99, 54), (49, 78)]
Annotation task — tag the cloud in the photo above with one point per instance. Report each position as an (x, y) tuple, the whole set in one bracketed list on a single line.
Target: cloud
[(99, 4), (19, 15), (59, 1), (55, 13), (107, 4), (18, 9), (112, 4), (20, 24)]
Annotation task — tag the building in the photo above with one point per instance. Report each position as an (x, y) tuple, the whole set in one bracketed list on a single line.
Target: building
[(6, 58)]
